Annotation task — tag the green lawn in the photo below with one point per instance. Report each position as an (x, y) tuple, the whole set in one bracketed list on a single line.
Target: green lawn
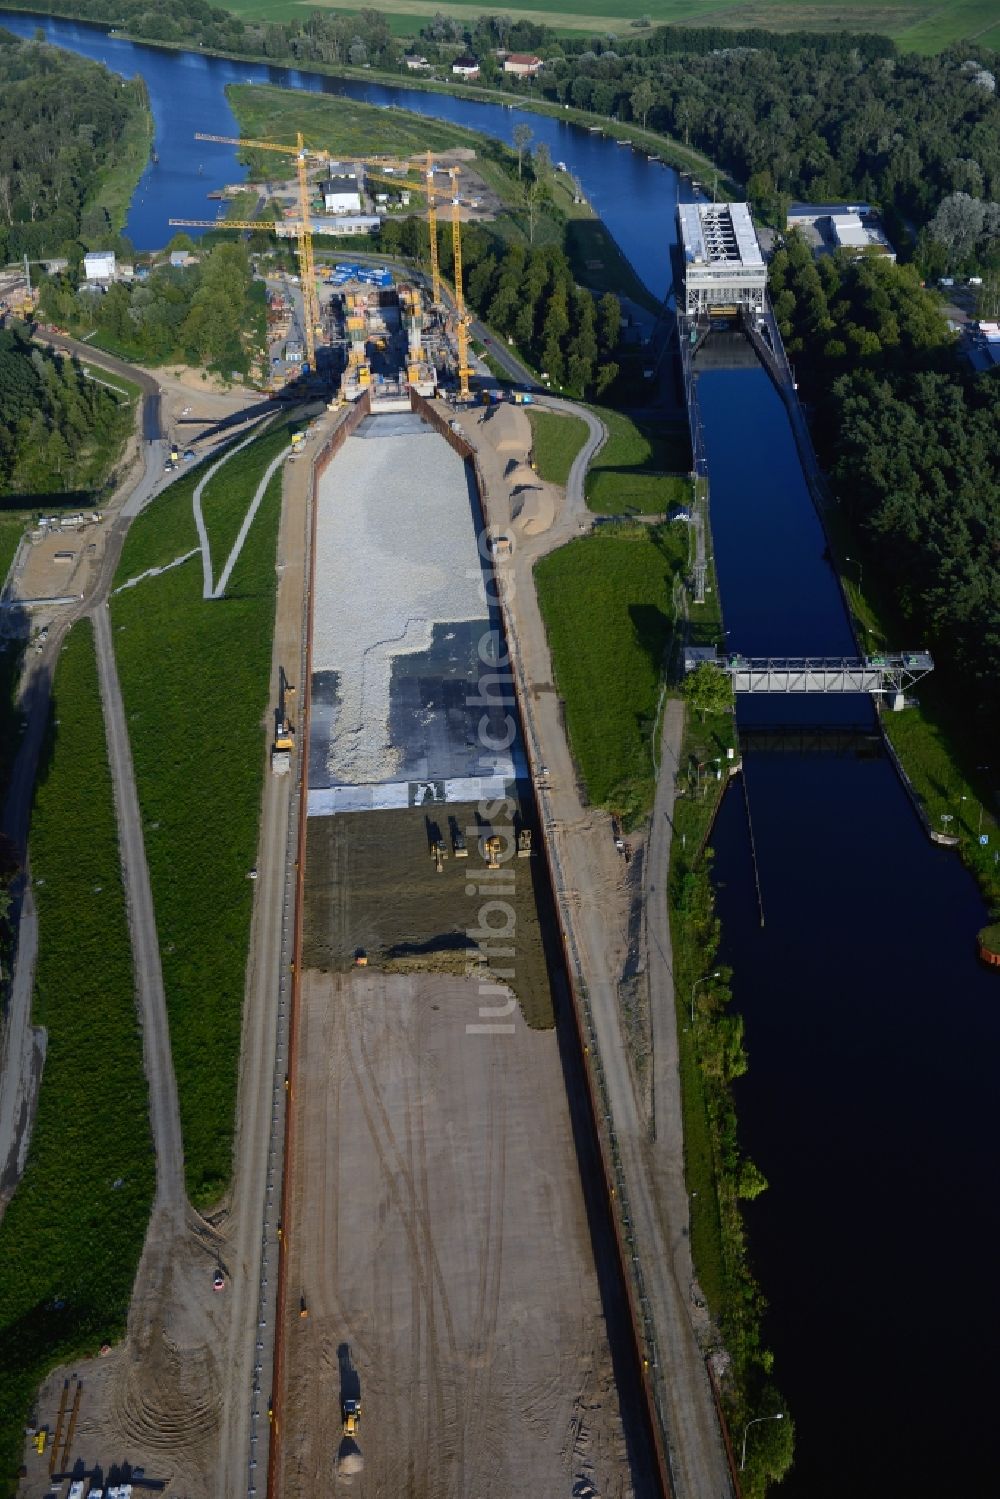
[(225, 497), (631, 473), (72, 1235), (607, 604), (556, 440), (197, 725)]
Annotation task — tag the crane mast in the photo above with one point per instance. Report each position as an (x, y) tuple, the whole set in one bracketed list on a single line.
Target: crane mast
[(304, 234)]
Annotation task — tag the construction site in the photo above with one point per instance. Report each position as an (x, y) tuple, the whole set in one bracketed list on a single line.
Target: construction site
[(443, 1327), (423, 1125), (354, 331)]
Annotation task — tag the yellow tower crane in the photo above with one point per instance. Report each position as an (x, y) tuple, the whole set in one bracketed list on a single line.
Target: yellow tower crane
[(303, 228), (304, 237), (451, 194)]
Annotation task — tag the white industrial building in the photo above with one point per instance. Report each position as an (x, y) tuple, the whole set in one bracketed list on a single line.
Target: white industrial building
[(339, 224), (855, 227), (724, 270), (99, 265), (342, 192)]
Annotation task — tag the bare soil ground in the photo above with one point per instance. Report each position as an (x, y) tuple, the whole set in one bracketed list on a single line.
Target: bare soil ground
[(439, 1243), (155, 1400), (371, 884)]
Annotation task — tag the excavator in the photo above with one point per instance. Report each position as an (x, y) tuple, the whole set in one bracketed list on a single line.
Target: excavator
[(284, 732)]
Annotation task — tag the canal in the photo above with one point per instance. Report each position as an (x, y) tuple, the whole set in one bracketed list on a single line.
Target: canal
[(871, 1027)]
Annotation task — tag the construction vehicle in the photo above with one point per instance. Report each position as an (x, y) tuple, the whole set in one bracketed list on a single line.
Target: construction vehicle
[(524, 849), (40, 1440), (491, 850), (351, 1413), (439, 853), (284, 731)]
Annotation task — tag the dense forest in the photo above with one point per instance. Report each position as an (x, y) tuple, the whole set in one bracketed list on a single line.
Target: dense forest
[(210, 313), (58, 430), (912, 438), (63, 123), (528, 293)]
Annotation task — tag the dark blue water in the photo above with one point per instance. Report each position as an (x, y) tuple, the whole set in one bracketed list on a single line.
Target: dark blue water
[(636, 198), (873, 1032), (871, 1026)]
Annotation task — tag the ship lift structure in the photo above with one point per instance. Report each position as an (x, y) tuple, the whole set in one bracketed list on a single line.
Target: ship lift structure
[(887, 674), (389, 170)]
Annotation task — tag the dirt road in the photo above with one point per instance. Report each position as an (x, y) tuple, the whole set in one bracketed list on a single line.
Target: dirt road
[(590, 893), (439, 1244)]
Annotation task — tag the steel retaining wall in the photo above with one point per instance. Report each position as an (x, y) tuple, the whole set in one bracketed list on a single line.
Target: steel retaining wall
[(321, 461), (612, 1185)]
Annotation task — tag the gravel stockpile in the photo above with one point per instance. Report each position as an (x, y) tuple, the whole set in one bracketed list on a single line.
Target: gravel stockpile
[(396, 555)]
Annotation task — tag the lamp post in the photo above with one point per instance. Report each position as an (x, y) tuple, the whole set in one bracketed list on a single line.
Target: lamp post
[(703, 980), (756, 1420)]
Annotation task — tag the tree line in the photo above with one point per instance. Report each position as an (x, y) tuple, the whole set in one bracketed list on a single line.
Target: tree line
[(210, 313), (63, 121), (912, 439), (58, 430), (818, 116)]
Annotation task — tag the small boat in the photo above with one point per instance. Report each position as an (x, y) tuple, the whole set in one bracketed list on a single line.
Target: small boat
[(155, 158)]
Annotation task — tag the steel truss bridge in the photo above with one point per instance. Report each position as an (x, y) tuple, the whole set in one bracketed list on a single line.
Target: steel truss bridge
[(890, 673)]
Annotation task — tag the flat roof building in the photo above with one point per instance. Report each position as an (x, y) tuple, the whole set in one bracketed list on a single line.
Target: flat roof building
[(342, 192), (99, 265), (724, 270)]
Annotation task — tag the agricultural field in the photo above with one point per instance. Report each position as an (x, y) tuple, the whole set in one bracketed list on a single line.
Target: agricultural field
[(197, 726), (72, 1235), (607, 604), (641, 469), (918, 25)]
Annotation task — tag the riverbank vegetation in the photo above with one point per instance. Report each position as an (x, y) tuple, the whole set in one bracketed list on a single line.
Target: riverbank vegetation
[(608, 604), (72, 1235), (196, 728), (60, 433), (911, 439), (210, 313), (74, 139)]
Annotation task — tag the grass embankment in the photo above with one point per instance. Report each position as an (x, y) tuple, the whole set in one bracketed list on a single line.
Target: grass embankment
[(607, 604), (197, 730), (72, 1235), (637, 470), (12, 528), (113, 192), (555, 442), (227, 496), (953, 772)]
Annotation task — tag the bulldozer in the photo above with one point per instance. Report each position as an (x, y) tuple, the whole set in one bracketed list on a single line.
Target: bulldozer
[(351, 1412)]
